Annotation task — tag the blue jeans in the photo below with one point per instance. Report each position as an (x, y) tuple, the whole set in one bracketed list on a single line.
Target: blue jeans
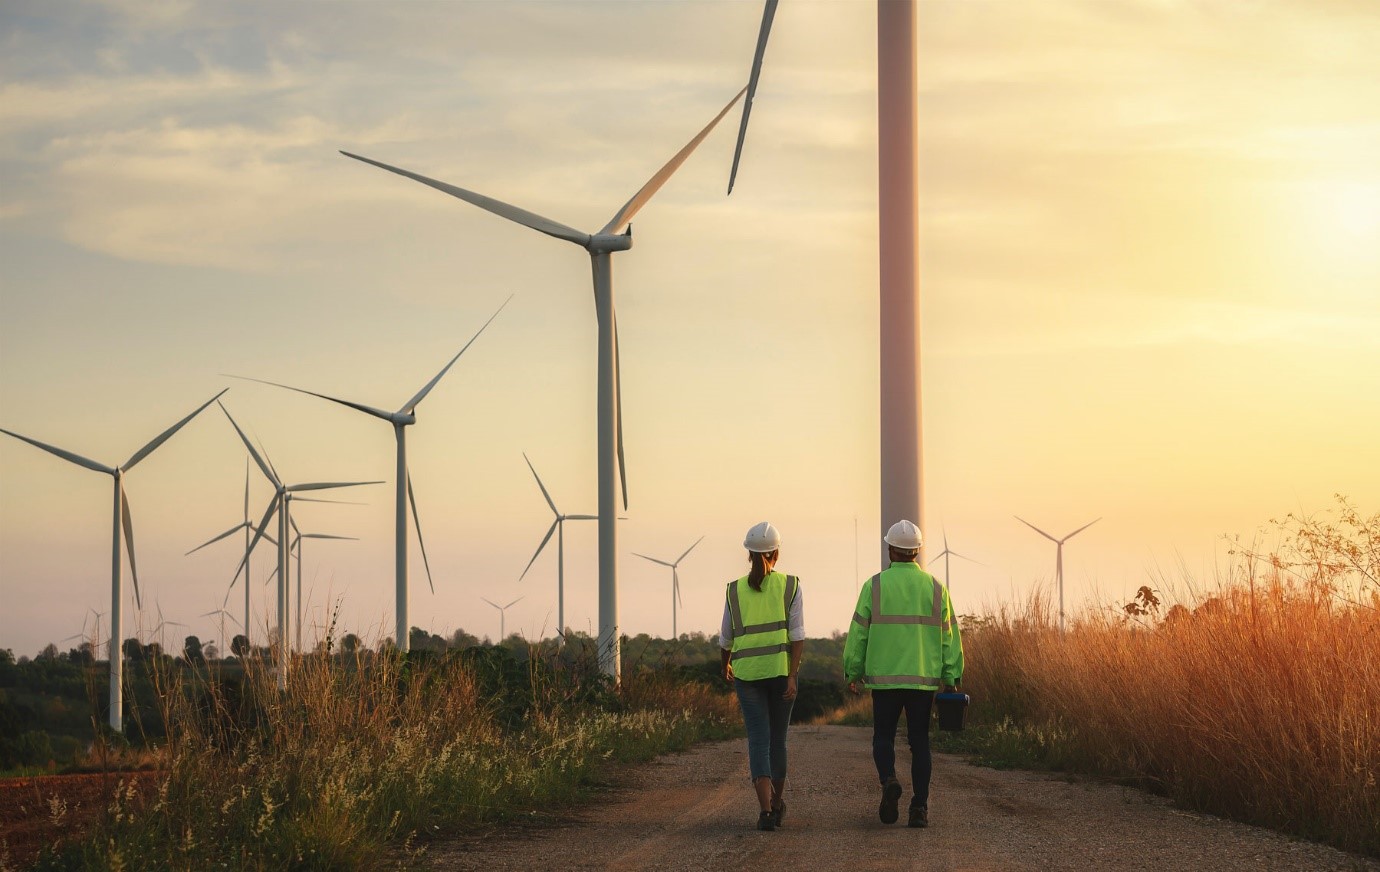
[(766, 716), (887, 706)]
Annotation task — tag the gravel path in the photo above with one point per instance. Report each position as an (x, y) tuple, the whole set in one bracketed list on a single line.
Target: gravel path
[(696, 811)]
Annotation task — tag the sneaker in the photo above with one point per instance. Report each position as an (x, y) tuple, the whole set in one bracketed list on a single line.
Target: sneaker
[(778, 812), (766, 821), (919, 816), (891, 792)]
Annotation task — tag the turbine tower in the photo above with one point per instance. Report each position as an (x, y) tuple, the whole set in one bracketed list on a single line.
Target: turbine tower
[(120, 517), (557, 527), (901, 470), (280, 503), (1058, 559), (675, 582), (946, 554), (502, 616), (613, 237), (401, 419)]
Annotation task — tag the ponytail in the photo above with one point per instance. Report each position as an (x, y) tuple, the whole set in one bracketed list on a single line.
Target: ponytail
[(762, 562)]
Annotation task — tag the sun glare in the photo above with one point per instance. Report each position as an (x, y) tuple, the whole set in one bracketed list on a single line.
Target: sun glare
[(1343, 219)]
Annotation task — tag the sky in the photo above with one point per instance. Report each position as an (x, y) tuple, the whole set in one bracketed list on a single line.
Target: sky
[(1150, 263)]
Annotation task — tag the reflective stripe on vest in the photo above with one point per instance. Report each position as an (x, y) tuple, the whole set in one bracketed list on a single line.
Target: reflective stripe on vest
[(900, 679)]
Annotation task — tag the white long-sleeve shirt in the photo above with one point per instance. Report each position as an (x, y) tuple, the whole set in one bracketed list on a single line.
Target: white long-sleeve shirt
[(795, 621)]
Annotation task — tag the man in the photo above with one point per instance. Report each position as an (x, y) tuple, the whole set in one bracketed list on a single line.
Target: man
[(903, 645)]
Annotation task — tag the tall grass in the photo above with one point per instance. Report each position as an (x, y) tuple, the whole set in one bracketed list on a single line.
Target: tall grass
[(362, 757), (1260, 702)]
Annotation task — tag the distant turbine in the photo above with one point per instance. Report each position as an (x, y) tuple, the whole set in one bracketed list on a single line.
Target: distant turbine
[(297, 546), (675, 581), (119, 517), (557, 527), (503, 616), (946, 553), (281, 503), (162, 624), (248, 529), (1058, 559), (223, 614), (404, 417), (601, 246)]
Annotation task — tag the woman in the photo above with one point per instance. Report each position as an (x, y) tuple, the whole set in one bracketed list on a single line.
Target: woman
[(762, 642)]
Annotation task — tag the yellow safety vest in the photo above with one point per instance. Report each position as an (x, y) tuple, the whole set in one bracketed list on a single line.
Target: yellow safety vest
[(903, 634), (761, 642)]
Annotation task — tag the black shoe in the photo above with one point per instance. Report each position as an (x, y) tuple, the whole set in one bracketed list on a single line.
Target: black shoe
[(891, 792), (766, 821), (919, 816), (778, 813)]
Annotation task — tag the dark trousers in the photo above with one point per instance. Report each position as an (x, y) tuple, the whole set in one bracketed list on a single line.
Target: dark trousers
[(887, 706)]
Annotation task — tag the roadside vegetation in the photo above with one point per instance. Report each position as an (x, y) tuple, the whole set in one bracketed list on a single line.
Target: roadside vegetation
[(1257, 698)]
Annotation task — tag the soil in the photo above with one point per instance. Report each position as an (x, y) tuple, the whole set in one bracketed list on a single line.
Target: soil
[(696, 810), (40, 812)]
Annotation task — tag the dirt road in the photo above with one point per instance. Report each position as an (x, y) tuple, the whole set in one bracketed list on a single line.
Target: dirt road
[(696, 811)]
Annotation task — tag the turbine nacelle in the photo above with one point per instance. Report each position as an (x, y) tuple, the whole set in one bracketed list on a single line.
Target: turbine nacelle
[(606, 243)]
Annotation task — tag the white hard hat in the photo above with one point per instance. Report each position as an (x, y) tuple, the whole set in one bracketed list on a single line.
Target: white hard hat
[(904, 535), (762, 539)]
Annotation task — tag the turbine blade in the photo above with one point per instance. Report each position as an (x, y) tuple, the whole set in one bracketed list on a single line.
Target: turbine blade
[(537, 553), (263, 467), (967, 558), (128, 524), (368, 410), (292, 522), (513, 603), (544, 492), (167, 434), (417, 525), (767, 15), (411, 404), (258, 534), (333, 502), (246, 490), (65, 455), (488, 204), (585, 518), (326, 536), (492, 603), (939, 555), (654, 560), (688, 550), (618, 402), (675, 583), (231, 531), (326, 485), (1080, 530), (1035, 528), (640, 199)]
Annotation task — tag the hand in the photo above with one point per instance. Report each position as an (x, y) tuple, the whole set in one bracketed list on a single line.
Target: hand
[(853, 688), (791, 688), (728, 672), (953, 688)]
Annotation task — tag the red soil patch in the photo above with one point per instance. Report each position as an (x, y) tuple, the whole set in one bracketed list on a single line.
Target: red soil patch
[(37, 813)]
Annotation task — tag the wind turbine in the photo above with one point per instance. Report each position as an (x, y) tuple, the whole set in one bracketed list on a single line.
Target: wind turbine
[(1058, 559), (120, 517), (401, 419), (503, 616), (223, 614), (946, 554), (297, 546), (163, 623), (281, 504), (613, 237), (557, 527), (248, 529), (902, 466), (675, 581)]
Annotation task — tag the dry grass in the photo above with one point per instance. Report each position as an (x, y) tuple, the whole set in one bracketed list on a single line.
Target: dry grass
[(362, 758), (1261, 702)]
